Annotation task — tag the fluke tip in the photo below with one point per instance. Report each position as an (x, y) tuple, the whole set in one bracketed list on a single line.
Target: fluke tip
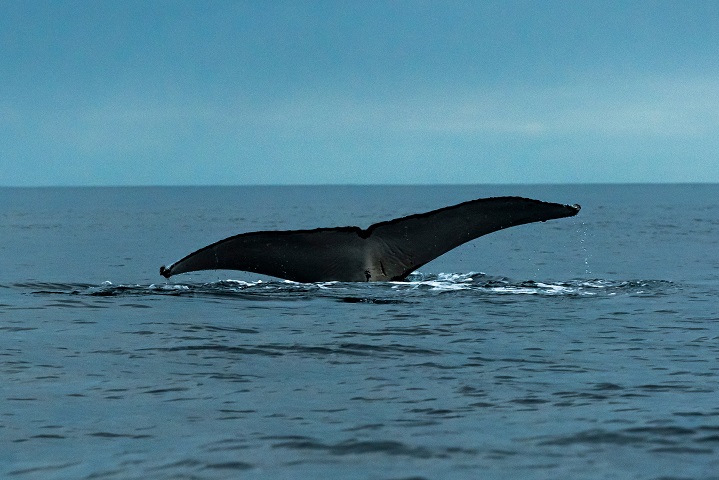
[(165, 272)]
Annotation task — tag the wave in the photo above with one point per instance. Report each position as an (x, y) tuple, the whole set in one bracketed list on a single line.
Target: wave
[(416, 286)]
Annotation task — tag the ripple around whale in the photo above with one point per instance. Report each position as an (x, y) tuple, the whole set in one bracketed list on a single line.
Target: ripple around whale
[(416, 286)]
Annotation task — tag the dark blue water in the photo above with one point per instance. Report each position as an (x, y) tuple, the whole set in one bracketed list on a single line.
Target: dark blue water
[(578, 348)]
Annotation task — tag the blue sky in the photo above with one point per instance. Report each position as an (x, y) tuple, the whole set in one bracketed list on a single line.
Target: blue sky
[(311, 92)]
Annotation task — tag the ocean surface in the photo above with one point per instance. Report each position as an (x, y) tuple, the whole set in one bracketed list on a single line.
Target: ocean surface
[(583, 348)]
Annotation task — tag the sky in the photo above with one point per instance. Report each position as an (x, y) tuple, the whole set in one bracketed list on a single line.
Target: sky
[(358, 92)]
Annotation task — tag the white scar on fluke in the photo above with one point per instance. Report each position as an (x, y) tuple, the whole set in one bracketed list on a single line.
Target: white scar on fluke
[(385, 251)]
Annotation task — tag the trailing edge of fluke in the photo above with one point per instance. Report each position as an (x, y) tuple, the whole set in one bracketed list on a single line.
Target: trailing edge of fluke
[(385, 251)]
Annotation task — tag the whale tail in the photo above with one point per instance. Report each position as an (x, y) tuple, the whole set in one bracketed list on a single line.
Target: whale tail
[(388, 250)]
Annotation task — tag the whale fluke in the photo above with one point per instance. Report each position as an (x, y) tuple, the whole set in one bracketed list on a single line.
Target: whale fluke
[(385, 251)]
